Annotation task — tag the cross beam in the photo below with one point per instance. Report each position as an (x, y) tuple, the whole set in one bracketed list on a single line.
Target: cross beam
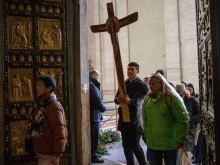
[(112, 26)]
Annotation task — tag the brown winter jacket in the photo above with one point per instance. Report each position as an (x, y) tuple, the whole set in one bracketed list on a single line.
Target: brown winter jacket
[(54, 139)]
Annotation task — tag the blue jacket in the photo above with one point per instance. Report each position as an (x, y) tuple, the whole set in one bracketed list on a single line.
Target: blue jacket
[(96, 104)]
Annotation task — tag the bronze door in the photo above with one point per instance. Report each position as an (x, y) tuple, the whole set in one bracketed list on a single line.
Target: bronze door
[(34, 43), (208, 57)]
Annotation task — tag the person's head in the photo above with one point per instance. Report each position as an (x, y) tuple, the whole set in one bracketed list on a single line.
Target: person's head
[(191, 89), (183, 82), (45, 84), (158, 84), (95, 74), (171, 84), (132, 70), (181, 90), (146, 79), (160, 71)]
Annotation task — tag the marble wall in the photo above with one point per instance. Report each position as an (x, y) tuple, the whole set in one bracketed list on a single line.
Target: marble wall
[(147, 36), (142, 41), (164, 37), (181, 41)]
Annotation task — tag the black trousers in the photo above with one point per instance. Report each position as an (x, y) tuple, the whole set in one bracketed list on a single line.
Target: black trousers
[(155, 156), (95, 127), (131, 145)]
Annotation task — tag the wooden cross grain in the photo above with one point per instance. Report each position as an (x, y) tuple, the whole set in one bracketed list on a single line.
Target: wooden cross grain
[(112, 26)]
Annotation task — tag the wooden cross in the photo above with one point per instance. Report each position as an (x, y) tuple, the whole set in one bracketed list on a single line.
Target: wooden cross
[(112, 26)]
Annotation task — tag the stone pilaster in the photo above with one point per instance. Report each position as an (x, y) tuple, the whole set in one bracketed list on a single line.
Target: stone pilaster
[(188, 34), (94, 45), (173, 61), (181, 41), (80, 83)]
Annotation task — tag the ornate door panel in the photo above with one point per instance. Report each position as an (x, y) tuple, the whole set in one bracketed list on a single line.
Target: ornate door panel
[(34, 44), (208, 74)]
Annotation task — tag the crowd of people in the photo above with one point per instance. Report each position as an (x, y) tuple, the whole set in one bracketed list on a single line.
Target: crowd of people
[(164, 115)]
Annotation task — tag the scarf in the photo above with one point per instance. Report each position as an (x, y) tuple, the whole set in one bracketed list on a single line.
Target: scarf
[(35, 123), (95, 82)]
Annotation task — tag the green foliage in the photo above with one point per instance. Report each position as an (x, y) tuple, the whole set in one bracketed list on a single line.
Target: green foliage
[(102, 149), (109, 136), (106, 137)]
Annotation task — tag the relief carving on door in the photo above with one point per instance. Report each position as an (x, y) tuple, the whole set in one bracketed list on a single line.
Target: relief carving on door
[(210, 76), (20, 32), (50, 35), (21, 84), (206, 80), (203, 75), (17, 131), (34, 43), (57, 74)]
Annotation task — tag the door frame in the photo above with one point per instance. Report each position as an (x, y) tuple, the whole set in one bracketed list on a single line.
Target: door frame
[(215, 35)]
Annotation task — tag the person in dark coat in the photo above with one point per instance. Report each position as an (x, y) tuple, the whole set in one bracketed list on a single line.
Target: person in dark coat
[(132, 131), (191, 89), (192, 106), (96, 107)]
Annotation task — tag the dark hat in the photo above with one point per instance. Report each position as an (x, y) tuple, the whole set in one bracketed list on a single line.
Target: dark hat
[(160, 71)]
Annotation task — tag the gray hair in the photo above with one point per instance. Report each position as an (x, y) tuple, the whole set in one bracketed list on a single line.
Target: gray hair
[(93, 72)]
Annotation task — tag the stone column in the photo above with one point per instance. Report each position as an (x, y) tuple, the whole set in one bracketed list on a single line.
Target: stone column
[(79, 80), (172, 41), (121, 11), (181, 41), (94, 44), (188, 39), (2, 133)]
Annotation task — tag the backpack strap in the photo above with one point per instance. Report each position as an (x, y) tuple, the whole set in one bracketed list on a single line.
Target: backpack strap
[(169, 105)]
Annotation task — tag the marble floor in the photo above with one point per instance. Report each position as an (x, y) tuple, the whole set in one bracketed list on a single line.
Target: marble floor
[(116, 154)]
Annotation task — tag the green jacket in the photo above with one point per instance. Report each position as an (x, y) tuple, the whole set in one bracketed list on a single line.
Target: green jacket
[(165, 122)]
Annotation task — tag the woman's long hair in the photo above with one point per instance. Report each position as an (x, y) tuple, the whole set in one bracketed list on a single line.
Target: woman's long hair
[(193, 93), (167, 89)]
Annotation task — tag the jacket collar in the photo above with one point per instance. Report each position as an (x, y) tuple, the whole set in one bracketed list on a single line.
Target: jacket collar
[(135, 80), (95, 82), (45, 97)]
